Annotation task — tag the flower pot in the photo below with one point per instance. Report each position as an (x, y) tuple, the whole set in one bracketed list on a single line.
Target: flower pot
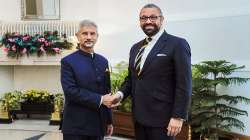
[(5, 117), (39, 108), (123, 123)]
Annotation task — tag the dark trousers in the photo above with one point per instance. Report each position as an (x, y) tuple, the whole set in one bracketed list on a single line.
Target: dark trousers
[(81, 137), (151, 133)]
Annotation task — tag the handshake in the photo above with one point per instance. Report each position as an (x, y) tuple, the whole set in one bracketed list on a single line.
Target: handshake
[(111, 100)]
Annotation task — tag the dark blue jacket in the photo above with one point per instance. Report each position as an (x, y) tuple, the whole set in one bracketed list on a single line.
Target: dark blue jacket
[(163, 89), (84, 80)]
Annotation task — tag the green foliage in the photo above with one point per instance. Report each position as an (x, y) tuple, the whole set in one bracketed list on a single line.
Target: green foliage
[(11, 100), (117, 79), (211, 110), (59, 100), (37, 96), (118, 75), (126, 105)]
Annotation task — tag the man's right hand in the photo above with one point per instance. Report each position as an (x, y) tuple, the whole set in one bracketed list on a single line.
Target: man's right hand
[(109, 100)]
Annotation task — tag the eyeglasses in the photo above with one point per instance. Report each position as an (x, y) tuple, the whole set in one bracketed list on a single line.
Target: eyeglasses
[(151, 18)]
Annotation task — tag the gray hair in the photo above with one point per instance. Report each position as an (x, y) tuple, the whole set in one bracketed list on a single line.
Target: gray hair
[(86, 22), (151, 5)]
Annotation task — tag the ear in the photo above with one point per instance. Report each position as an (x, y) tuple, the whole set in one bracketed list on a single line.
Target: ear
[(162, 19), (77, 36)]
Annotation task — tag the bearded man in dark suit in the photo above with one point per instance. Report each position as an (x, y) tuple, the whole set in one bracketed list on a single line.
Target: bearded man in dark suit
[(159, 79)]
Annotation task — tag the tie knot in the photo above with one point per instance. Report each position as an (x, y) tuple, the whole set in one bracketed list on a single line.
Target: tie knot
[(148, 39)]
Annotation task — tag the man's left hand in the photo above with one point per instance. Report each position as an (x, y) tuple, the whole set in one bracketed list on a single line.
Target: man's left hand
[(174, 126), (110, 130)]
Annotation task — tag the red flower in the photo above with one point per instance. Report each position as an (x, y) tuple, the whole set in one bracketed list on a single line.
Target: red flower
[(57, 50), (25, 38), (41, 39), (6, 49), (13, 48), (42, 49), (46, 43), (11, 40), (24, 51)]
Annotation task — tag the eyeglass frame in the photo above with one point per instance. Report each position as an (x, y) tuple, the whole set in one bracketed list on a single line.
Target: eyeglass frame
[(145, 18)]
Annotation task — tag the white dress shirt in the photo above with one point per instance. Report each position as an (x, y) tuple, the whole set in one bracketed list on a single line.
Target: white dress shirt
[(149, 47)]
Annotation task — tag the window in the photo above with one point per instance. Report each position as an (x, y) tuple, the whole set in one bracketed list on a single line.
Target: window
[(40, 9)]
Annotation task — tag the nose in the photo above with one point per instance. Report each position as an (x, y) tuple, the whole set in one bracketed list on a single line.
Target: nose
[(88, 36), (148, 20)]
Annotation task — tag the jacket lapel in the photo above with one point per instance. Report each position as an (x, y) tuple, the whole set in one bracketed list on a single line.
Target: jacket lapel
[(156, 48)]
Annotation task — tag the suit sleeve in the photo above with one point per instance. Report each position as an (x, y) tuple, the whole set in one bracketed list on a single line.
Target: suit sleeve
[(108, 90), (73, 93), (183, 76), (110, 118), (126, 86)]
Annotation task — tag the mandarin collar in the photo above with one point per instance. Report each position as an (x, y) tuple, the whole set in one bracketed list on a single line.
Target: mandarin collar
[(86, 54)]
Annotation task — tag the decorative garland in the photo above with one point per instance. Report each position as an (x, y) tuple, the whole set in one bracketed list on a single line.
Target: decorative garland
[(49, 43)]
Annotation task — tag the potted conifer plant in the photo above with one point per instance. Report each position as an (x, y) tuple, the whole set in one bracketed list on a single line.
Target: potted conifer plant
[(212, 110)]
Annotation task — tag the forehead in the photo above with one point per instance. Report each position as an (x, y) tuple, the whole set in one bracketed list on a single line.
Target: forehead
[(149, 11), (88, 29)]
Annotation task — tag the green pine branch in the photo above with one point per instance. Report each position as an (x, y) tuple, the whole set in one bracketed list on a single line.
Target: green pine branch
[(209, 109), (233, 99), (231, 80)]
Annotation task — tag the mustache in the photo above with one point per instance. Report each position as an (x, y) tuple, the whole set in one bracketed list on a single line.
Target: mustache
[(151, 24), (88, 41), (150, 31)]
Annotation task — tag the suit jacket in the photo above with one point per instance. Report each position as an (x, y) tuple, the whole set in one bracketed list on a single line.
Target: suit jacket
[(84, 80), (163, 88)]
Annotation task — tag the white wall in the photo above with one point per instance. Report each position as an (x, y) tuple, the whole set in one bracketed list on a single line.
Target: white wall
[(10, 10), (6, 79), (216, 38), (215, 30), (37, 77), (30, 77)]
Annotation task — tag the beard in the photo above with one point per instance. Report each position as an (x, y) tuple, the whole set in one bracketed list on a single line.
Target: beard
[(88, 44), (150, 31)]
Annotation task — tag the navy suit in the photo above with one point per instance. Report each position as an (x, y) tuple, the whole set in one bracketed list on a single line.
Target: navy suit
[(163, 88), (84, 80)]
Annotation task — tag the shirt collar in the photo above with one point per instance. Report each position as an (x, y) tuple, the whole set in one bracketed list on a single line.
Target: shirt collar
[(157, 35), (91, 55)]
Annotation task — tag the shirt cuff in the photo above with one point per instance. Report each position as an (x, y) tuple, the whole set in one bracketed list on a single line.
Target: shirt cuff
[(180, 119), (101, 101), (120, 94)]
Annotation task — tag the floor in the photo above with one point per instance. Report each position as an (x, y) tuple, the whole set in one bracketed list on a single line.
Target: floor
[(35, 130)]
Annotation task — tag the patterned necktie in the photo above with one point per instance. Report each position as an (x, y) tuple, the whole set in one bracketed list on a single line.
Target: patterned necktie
[(139, 55)]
